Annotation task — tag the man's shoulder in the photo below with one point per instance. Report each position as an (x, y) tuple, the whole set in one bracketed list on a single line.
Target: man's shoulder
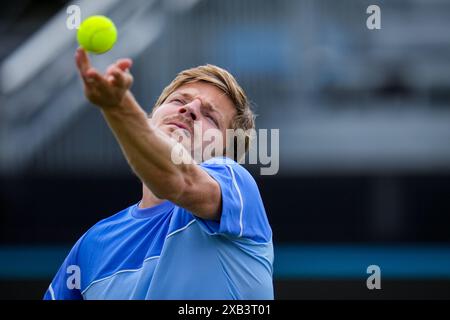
[(101, 229), (236, 170), (118, 240)]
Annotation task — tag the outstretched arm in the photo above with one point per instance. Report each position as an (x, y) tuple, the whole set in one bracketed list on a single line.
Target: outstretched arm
[(146, 148)]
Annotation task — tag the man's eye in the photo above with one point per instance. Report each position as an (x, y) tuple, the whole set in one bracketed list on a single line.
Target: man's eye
[(178, 101), (213, 120)]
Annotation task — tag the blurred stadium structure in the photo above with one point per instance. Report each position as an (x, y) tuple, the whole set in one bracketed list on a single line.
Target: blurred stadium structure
[(364, 119)]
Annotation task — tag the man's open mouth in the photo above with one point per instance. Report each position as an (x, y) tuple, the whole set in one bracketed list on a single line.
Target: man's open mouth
[(181, 126)]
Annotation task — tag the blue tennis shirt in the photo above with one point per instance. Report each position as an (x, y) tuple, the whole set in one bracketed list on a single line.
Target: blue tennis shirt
[(165, 252)]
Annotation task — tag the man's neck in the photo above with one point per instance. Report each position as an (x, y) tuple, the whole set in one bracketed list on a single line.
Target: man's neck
[(148, 198)]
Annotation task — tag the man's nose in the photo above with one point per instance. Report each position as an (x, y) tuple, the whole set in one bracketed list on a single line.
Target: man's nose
[(191, 109)]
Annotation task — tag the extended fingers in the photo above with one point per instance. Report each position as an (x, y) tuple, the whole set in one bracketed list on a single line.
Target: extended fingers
[(118, 77), (117, 74), (89, 74), (93, 77), (82, 61), (124, 64)]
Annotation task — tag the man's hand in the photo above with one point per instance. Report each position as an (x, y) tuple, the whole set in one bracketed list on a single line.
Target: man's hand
[(108, 90)]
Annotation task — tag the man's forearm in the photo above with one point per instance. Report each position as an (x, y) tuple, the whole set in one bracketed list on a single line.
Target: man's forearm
[(148, 151)]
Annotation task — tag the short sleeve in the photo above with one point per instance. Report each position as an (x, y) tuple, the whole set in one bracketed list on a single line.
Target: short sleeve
[(65, 284), (243, 214)]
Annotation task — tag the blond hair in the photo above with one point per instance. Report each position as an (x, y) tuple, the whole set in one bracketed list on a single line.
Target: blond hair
[(222, 79)]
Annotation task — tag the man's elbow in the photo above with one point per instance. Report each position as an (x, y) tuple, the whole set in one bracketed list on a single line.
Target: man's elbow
[(202, 200), (179, 188), (169, 188)]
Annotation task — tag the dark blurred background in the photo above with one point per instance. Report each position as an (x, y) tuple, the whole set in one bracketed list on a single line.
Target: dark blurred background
[(364, 120)]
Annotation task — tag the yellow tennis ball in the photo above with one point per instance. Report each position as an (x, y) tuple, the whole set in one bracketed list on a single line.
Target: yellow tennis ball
[(97, 34)]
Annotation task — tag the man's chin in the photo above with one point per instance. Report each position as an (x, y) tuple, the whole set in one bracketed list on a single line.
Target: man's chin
[(174, 131)]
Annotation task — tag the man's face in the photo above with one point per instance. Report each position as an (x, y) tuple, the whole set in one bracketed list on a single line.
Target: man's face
[(200, 104)]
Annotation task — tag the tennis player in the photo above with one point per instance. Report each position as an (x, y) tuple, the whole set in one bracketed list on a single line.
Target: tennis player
[(200, 230)]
